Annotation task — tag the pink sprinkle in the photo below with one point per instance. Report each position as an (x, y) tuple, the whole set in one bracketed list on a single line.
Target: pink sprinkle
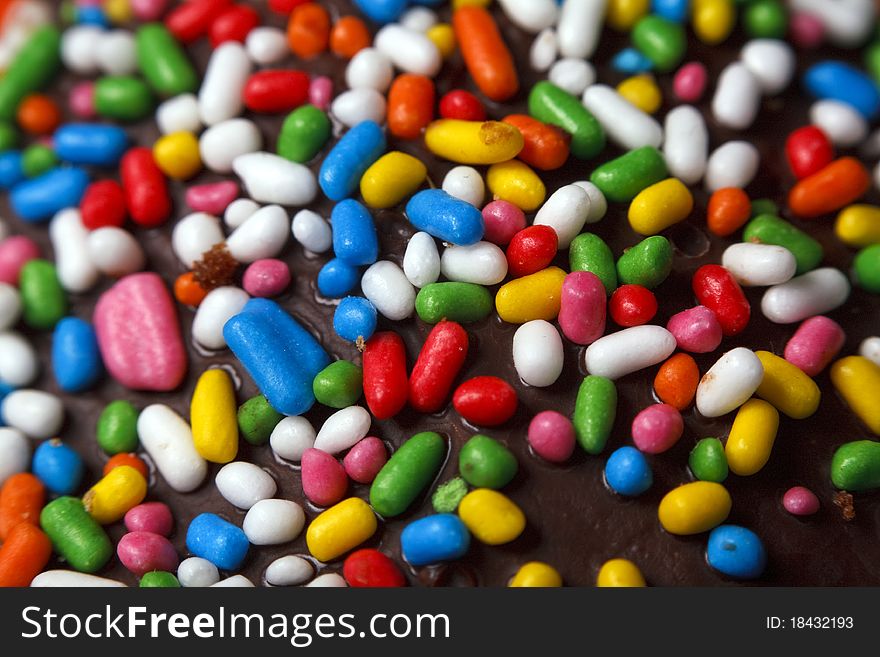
[(15, 251), (657, 428), (139, 335), (82, 100), (807, 31), (365, 459), (815, 344), (142, 552), (696, 330), (266, 278), (148, 10), (800, 501), (212, 197), (551, 435), (153, 517), (502, 220), (689, 82), (582, 309), (321, 92), (324, 480)]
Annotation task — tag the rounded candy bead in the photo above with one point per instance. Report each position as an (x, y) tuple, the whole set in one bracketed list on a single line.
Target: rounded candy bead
[(800, 501), (493, 518), (751, 437), (694, 508), (657, 428), (708, 461), (620, 573), (434, 539), (551, 436), (536, 574), (627, 472), (736, 552)]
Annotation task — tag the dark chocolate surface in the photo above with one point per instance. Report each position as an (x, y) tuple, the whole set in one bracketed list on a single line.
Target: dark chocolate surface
[(574, 522)]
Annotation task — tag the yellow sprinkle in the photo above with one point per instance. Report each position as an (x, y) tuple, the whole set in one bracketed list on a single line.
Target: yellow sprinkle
[(787, 387), (121, 489), (340, 528), (536, 296), (392, 178), (442, 36), (857, 379), (642, 91), (751, 437), (622, 15), (694, 508), (491, 516), (660, 206), (713, 20), (620, 573), (858, 225), (177, 155), (536, 574), (473, 142), (214, 419), (515, 182)]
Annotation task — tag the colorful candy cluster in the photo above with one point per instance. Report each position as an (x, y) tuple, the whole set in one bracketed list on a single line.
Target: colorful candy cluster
[(113, 194)]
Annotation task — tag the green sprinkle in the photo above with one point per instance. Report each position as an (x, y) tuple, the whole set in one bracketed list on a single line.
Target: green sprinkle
[(447, 496)]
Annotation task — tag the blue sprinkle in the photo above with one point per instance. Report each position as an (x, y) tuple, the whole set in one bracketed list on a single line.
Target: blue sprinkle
[(630, 60)]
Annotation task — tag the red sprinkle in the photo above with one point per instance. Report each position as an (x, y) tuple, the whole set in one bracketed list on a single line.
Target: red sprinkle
[(371, 568), (632, 305), (234, 24), (276, 91), (808, 150), (716, 289), (438, 364), (485, 400), (103, 205), (190, 20), (531, 250), (461, 104), (385, 385), (146, 190)]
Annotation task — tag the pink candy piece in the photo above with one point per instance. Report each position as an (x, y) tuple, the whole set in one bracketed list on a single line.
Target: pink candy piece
[(696, 330), (321, 92), (148, 10), (324, 480), (15, 251), (502, 220), (365, 459), (143, 552), (212, 197), (266, 278), (582, 309), (82, 100), (815, 344), (153, 517), (689, 82), (657, 428), (800, 501), (806, 30), (551, 435), (138, 334)]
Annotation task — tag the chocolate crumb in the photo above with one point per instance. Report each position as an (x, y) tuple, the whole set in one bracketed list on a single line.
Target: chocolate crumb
[(215, 268), (844, 500)]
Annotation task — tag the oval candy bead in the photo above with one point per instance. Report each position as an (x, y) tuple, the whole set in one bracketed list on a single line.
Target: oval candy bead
[(708, 461), (815, 344), (407, 473), (622, 178), (536, 296), (538, 355), (788, 388), (717, 290), (445, 217), (751, 437), (90, 144), (554, 106), (582, 307), (621, 353), (729, 382), (345, 164), (213, 417), (855, 466), (857, 380), (38, 199), (759, 264), (694, 508), (473, 142), (76, 360), (168, 440), (660, 206), (620, 573), (212, 538), (595, 409), (841, 81), (816, 292), (138, 334), (340, 528), (434, 539), (458, 302), (492, 517), (75, 535), (627, 472), (736, 552)]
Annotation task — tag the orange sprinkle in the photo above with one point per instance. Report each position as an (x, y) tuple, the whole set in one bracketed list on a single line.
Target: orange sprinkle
[(24, 554), (39, 115), (308, 31), (188, 291), (676, 381), (21, 500), (729, 208), (349, 36)]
